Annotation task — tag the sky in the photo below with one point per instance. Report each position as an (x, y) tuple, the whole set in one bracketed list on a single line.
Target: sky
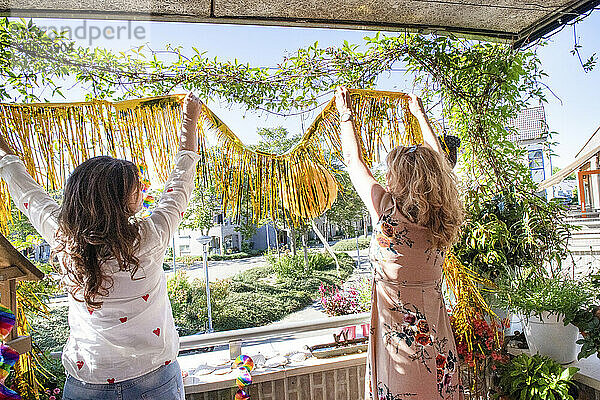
[(574, 115)]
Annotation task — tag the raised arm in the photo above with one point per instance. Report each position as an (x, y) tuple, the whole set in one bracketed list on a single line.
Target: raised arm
[(5, 149), (188, 138), (416, 108), (29, 197), (176, 195), (367, 187)]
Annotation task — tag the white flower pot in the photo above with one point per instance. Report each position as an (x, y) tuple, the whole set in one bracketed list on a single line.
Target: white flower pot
[(550, 337)]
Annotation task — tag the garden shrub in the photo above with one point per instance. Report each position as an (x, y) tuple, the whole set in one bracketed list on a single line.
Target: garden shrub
[(320, 261), (188, 302), (350, 244), (51, 333), (289, 266)]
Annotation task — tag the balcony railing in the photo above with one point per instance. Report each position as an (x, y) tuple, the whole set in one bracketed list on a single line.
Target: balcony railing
[(277, 330)]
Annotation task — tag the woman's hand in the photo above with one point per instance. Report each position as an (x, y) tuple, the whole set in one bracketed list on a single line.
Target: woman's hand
[(343, 103), (415, 105), (191, 107), (5, 148), (188, 140)]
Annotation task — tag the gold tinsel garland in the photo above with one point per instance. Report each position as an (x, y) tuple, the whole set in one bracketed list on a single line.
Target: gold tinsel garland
[(52, 139), (298, 185)]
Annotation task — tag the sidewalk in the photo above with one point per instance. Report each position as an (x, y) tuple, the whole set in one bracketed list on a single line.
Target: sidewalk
[(220, 269)]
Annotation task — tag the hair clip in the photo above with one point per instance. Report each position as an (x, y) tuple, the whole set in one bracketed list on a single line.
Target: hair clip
[(412, 148)]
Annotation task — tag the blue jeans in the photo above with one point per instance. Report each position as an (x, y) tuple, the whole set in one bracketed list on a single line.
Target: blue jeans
[(163, 383)]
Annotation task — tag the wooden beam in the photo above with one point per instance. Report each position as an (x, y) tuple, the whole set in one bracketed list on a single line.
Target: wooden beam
[(12, 272), (22, 344), (581, 191)]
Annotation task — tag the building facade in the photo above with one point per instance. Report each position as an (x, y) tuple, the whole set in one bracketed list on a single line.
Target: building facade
[(531, 133)]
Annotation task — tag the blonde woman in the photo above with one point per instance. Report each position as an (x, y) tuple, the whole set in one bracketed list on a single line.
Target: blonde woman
[(412, 354)]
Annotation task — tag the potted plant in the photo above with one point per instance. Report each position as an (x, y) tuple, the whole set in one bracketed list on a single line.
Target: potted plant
[(536, 378), (587, 320), (479, 356), (547, 304), (508, 234)]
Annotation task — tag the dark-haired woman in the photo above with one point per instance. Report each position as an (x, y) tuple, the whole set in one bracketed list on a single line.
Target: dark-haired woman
[(122, 340)]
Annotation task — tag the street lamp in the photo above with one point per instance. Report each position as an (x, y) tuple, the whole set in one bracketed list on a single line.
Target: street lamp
[(357, 247), (204, 241)]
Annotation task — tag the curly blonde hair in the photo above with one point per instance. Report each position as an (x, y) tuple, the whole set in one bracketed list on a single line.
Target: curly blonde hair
[(425, 190)]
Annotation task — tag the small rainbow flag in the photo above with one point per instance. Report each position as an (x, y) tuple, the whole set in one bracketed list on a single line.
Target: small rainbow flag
[(6, 393), (7, 321)]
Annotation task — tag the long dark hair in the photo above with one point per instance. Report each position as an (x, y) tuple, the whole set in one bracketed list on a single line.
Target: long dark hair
[(94, 225)]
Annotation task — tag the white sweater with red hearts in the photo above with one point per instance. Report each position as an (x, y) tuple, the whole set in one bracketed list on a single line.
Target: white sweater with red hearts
[(133, 333)]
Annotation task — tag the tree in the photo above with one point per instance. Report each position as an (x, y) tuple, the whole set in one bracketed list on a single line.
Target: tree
[(275, 140), (570, 177), (348, 207), (202, 208), (20, 233)]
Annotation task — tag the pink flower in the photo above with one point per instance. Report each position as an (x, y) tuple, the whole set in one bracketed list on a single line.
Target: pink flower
[(56, 391), (52, 398)]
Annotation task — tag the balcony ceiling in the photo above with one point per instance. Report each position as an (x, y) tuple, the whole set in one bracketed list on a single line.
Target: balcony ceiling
[(514, 21)]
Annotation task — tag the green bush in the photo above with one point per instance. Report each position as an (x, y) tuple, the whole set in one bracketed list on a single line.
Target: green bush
[(320, 261), (350, 244), (536, 378), (215, 257), (288, 266), (188, 301), (51, 333)]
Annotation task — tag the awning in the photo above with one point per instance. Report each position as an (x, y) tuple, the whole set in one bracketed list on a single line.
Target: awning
[(566, 171), (513, 21)]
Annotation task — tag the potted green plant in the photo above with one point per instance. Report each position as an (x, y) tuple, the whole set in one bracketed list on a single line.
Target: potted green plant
[(508, 234), (546, 305), (536, 378), (587, 320)]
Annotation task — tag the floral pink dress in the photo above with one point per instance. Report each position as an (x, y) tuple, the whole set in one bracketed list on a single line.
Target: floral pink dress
[(412, 354)]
